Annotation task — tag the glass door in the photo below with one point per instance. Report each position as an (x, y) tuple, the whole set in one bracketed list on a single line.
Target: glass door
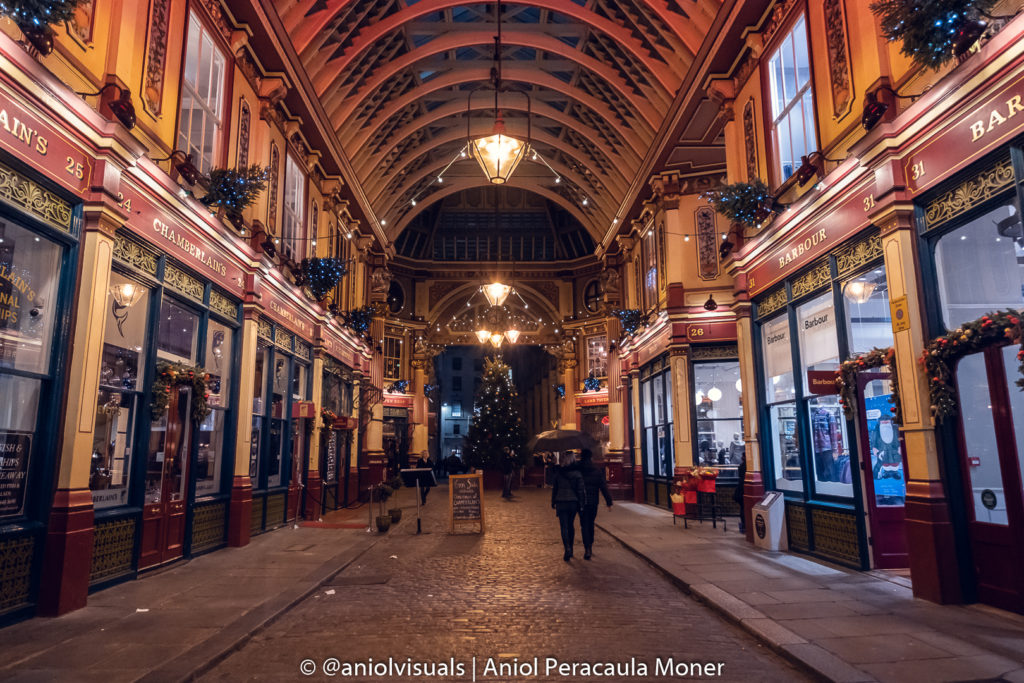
[(163, 515), (881, 456), (991, 420)]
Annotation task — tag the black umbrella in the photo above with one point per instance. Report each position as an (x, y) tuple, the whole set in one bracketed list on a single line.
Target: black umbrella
[(556, 440)]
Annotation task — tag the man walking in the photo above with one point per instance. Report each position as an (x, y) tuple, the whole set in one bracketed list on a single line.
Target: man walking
[(593, 481)]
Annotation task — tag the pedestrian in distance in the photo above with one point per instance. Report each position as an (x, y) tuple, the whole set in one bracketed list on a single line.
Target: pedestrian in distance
[(508, 468), (594, 484), (424, 462), (568, 496)]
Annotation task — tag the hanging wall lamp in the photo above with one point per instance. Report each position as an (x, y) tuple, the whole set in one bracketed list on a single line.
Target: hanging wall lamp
[(122, 108)]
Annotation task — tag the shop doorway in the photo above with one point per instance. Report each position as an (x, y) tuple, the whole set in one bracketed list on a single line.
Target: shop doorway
[(882, 461), (163, 514), (991, 435)]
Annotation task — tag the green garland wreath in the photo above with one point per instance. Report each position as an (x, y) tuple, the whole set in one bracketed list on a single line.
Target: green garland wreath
[(941, 354), (846, 380), (177, 374)]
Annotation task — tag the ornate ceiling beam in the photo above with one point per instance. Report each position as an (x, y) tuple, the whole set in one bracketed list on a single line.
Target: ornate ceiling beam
[(366, 165), (325, 79), (616, 182), (354, 136), (305, 33)]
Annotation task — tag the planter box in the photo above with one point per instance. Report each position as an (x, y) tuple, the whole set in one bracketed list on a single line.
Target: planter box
[(706, 486)]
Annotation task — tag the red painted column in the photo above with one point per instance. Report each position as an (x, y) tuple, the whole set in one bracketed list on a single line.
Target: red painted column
[(68, 555)]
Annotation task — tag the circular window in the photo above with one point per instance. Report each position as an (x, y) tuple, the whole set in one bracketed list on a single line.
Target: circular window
[(396, 297), (592, 296)]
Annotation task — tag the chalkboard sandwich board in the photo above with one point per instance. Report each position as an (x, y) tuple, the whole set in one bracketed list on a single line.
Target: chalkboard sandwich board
[(466, 501)]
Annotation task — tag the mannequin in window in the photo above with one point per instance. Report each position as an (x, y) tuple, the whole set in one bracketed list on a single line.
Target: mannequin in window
[(736, 449), (828, 444)]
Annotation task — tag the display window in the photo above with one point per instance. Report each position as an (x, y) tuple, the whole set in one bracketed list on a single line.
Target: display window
[(279, 381), (31, 266), (718, 409), (656, 413), (780, 393), (219, 344), (117, 406), (819, 353)]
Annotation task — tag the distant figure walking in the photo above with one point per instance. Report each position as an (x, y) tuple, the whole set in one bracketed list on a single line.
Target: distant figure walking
[(424, 462), (594, 483), (508, 469), (568, 496)]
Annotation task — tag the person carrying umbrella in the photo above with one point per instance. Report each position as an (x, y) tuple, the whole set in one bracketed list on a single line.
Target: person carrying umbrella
[(594, 483), (568, 496)]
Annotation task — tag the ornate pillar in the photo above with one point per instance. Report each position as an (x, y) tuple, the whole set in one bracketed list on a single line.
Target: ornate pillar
[(64, 582), (567, 377), (753, 483), (679, 362), (240, 507), (419, 407), (376, 461), (931, 542)]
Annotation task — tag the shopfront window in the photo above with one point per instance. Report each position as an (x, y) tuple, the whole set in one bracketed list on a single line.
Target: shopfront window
[(780, 393), (211, 431), (29, 276), (258, 408), (819, 355), (117, 405), (17, 431), (655, 392), (177, 333), (868, 320), (980, 266), (278, 419), (719, 410)]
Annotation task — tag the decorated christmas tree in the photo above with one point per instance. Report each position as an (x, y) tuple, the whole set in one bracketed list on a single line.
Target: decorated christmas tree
[(496, 422)]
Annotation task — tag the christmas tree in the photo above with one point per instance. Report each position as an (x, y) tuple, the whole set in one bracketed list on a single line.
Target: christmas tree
[(496, 423)]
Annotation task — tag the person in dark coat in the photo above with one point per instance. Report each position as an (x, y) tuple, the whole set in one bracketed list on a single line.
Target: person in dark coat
[(508, 469), (568, 496), (594, 484), (424, 462)]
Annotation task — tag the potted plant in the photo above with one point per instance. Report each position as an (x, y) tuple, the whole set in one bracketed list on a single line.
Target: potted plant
[(321, 275), (234, 189), (395, 512), (35, 18), (748, 204), (705, 478), (933, 32)]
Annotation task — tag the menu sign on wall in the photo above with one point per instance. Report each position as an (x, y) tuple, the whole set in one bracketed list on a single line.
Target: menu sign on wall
[(14, 451), (331, 458)]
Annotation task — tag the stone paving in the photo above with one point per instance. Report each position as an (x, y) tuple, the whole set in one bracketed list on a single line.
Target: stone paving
[(504, 596), (843, 624)]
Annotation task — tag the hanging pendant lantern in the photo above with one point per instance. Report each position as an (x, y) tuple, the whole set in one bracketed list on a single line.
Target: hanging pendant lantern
[(496, 293), (483, 335), (512, 335), (496, 339), (497, 154)]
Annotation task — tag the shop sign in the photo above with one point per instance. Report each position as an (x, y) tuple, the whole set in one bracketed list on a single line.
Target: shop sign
[(177, 239), (400, 413), (331, 459), (1000, 118), (827, 231), (593, 398), (286, 314), (900, 314), (29, 139), (821, 382), (711, 332), (15, 448)]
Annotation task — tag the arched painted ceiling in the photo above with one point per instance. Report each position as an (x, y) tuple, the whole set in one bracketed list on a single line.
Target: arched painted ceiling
[(394, 75)]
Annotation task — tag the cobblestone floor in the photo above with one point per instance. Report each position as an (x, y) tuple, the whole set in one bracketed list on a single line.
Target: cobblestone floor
[(504, 596)]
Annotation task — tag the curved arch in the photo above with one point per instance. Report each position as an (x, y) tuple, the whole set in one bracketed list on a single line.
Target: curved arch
[(541, 79), (323, 80), (458, 133), (668, 77), (432, 169), (303, 28), (466, 183), (365, 165), (454, 302)]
